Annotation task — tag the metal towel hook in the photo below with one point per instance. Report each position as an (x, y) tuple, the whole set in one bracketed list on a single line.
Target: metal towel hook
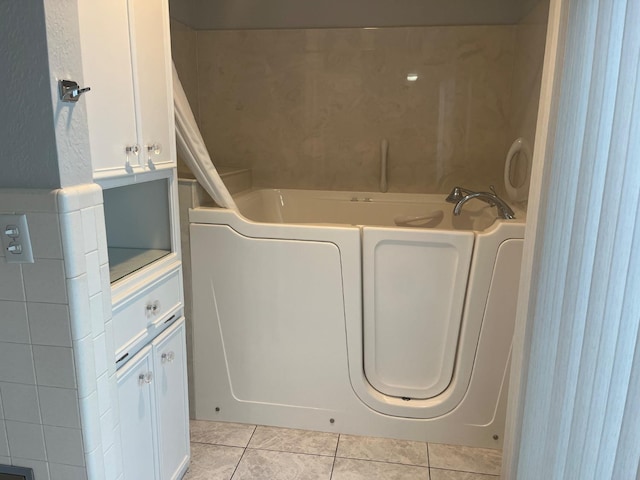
[(70, 91)]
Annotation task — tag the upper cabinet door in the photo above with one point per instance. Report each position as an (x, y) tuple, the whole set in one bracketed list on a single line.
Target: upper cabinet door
[(106, 59), (151, 52)]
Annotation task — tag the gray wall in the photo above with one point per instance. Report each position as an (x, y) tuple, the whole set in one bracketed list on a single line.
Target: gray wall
[(28, 155), (240, 14)]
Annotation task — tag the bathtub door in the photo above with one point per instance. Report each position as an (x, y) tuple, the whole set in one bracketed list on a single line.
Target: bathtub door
[(414, 284)]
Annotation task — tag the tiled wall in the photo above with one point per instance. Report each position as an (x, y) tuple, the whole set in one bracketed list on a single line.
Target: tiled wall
[(58, 410), (307, 108)]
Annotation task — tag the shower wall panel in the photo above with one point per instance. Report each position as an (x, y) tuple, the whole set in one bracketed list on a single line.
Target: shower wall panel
[(308, 108)]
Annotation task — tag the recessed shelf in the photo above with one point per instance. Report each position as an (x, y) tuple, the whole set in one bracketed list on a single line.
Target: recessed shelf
[(123, 261), (138, 224)]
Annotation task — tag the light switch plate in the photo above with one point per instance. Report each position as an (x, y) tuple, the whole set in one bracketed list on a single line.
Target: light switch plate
[(16, 242)]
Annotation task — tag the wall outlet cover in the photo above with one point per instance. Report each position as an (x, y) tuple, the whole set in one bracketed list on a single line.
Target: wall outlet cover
[(16, 242)]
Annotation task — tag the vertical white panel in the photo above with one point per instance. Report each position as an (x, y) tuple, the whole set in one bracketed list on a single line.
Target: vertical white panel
[(414, 285), (151, 52), (106, 62), (585, 313)]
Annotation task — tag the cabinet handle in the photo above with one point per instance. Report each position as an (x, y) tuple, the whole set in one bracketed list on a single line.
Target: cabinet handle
[(130, 149), (168, 357), (152, 308), (155, 149), (145, 378)]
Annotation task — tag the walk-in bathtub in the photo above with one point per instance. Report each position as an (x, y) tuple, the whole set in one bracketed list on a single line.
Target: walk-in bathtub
[(363, 313)]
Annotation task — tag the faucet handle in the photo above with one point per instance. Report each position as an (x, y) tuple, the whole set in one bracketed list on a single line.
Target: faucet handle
[(455, 196)]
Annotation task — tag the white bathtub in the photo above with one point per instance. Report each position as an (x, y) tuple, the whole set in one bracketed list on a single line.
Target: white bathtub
[(362, 313)]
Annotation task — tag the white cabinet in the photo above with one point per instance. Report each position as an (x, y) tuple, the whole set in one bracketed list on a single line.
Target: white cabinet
[(170, 372), (152, 395), (137, 417), (127, 63)]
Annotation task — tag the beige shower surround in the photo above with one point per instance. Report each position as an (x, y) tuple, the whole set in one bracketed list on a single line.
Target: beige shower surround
[(307, 108)]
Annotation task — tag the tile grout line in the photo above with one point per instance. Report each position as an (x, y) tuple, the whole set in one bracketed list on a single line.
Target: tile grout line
[(335, 456), (243, 452), (428, 460)]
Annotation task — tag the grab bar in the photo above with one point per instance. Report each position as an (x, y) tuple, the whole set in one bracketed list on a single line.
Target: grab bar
[(384, 148)]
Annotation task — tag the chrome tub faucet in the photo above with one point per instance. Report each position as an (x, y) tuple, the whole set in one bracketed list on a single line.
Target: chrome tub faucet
[(460, 196)]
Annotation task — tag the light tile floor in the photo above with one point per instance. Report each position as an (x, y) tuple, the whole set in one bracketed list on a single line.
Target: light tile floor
[(232, 451)]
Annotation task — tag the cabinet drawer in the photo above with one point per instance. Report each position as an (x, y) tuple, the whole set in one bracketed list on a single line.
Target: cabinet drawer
[(134, 318)]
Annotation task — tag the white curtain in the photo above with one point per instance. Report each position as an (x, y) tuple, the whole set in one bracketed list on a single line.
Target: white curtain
[(194, 152), (581, 388)]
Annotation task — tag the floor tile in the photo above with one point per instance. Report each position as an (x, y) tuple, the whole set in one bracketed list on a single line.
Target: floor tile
[(383, 450), (467, 459), (437, 474), (295, 441), (269, 465), (349, 469), (212, 462), (221, 433)]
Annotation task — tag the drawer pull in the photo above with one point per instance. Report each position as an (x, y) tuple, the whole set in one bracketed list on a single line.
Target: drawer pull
[(152, 308), (145, 378), (122, 358), (168, 357)]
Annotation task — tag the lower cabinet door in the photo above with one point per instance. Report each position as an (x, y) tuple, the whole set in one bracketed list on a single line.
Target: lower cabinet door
[(137, 417), (170, 383)]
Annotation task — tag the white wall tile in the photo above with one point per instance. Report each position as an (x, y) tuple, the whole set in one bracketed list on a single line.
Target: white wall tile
[(79, 306), (100, 351), (67, 472), (44, 230), (11, 281), (26, 440), (110, 463), (104, 393), (105, 282), (64, 445), (13, 320), (90, 229), (118, 452), (16, 363), (97, 314), (20, 402), (44, 281), (40, 468), (90, 415), (5, 460), (27, 200), (59, 407), (85, 366), (73, 244), (115, 404), (4, 445), (54, 366), (49, 324), (79, 197), (95, 464), (111, 360), (101, 234), (93, 273), (106, 429)]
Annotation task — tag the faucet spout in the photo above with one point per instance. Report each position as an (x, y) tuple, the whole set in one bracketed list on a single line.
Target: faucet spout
[(492, 198)]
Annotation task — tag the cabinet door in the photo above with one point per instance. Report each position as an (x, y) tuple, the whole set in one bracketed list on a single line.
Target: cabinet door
[(137, 417), (106, 60), (170, 367), (151, 51)]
